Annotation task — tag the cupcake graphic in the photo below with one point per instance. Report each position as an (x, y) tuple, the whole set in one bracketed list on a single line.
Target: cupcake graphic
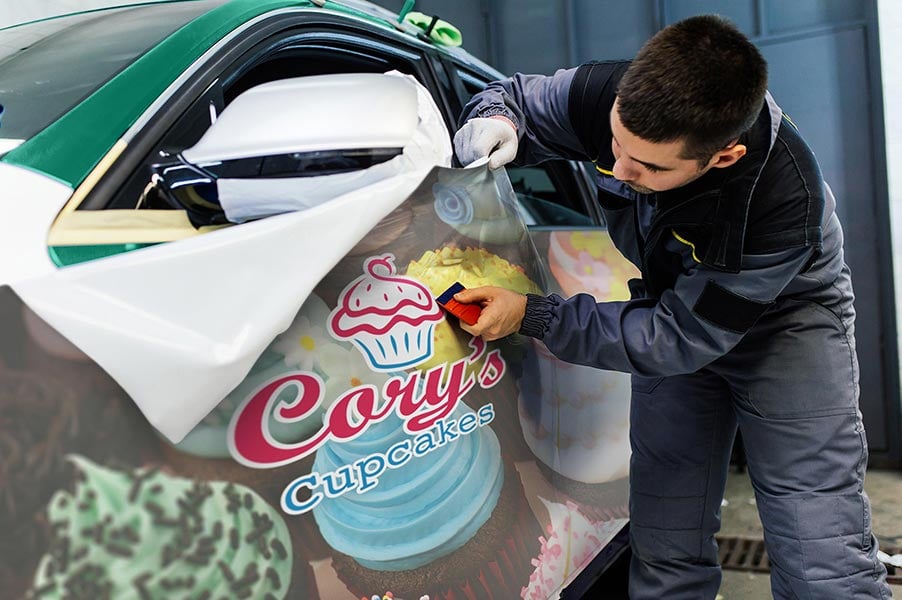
[(389, 318), (145, 534), (455, 524)]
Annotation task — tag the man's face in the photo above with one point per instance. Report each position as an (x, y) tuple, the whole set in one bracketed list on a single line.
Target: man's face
[(649, 166)]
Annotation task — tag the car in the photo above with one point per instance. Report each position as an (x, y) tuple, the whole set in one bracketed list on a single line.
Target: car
[(231, 364)]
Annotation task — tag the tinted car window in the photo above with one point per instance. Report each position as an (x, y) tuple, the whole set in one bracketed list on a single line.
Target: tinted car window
[(47, 67)]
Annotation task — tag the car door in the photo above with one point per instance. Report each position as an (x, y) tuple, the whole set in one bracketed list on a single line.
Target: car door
[(198, 336)]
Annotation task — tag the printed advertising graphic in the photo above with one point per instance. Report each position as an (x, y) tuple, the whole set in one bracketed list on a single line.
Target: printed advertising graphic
[(389, 318), (373, 447)]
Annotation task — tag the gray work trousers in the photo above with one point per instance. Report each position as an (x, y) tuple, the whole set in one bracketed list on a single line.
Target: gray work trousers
[(791, 388)]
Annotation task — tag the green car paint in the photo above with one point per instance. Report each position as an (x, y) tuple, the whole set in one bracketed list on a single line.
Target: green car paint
[(63, 256)]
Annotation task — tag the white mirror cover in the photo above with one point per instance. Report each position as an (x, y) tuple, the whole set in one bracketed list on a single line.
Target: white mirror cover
[(180, 325), (427, 144), (306, 114)]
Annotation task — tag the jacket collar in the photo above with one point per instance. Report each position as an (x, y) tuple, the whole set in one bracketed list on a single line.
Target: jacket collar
[(732, 189)]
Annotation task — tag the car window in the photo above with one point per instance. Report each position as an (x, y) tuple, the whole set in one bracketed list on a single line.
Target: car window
[(550, 194), (305, 53)]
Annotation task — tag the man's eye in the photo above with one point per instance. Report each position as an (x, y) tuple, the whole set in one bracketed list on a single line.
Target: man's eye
[(652, 169)]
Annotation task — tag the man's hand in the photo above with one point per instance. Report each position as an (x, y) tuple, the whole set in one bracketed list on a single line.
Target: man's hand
[(502, 311), (495, 137)]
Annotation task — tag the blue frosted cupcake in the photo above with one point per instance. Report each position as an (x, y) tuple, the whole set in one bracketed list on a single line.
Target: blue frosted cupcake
[(452, 523)]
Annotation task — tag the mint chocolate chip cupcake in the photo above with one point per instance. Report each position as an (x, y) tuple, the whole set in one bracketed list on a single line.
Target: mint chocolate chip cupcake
[(147, 535)]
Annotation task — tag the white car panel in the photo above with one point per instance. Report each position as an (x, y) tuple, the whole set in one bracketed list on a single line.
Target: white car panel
[(179, 325), (31, 201)]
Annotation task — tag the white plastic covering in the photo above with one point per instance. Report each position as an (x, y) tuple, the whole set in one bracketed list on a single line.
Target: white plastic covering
[(426, 144), (179, 325)]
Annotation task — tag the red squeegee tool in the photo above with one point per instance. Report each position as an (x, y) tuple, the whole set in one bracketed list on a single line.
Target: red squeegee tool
[(468, 313)]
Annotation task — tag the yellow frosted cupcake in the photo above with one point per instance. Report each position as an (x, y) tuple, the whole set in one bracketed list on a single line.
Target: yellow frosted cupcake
[(472, 267)]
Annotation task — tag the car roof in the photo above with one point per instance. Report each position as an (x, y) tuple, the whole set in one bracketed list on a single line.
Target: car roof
[(69, 147)]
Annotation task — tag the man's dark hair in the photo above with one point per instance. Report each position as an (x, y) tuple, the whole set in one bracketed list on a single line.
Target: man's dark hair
[(699, 80)]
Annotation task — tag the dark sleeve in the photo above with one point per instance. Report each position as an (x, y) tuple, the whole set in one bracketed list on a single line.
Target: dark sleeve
[(702, 318), (544, 110)]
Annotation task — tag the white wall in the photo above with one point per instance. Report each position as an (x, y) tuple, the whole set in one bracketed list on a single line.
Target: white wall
[(890, 20)]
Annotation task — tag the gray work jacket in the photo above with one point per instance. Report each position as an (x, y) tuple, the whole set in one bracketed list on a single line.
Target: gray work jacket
[(716, 255)]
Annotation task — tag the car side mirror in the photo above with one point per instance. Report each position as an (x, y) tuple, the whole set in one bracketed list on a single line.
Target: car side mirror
[(290, 128)]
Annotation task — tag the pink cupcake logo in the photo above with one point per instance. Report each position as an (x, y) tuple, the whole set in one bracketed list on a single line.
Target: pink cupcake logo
[(389, 318)]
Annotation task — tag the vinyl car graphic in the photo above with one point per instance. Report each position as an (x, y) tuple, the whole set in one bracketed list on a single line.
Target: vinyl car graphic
[(191, 191)]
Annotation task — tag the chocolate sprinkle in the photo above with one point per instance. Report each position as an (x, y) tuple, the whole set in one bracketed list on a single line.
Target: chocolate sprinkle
[(226, 571), (138, 481), (88, 583), (139, 582), (234, 538), (198, 560), (273, 577), (262, 524), (117, 550), (279, 548), (234, 499)]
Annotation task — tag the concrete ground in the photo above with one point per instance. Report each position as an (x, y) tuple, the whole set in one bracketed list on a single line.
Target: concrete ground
[(740, 518)]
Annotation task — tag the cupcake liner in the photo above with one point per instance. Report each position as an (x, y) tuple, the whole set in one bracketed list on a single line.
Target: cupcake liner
[(303, 580)]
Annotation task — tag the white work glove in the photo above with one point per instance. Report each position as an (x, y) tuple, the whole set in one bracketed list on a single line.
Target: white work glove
[(492, 137)]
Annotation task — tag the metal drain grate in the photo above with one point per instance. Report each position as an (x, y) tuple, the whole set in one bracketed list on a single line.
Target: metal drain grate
[(743, 554), (749, 554)]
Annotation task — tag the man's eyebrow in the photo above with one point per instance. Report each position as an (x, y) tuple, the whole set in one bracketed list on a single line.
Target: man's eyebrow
[(642, 162), (652, 165)]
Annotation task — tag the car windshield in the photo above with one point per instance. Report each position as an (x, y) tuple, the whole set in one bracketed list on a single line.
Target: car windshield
[(47, 67)]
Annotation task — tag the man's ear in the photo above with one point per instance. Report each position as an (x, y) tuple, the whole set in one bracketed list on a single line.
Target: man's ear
[(728, 156)]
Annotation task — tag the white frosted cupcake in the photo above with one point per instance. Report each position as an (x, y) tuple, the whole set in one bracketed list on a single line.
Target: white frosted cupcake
[(571, 542), (575, 419)]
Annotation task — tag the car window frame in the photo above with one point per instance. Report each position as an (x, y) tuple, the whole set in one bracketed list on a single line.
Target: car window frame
[(92, 215)]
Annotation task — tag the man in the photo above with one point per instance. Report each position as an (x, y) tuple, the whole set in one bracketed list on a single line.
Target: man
[(743, 316)]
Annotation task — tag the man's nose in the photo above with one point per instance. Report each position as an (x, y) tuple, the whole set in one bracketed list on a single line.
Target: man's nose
[(623, 170)]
